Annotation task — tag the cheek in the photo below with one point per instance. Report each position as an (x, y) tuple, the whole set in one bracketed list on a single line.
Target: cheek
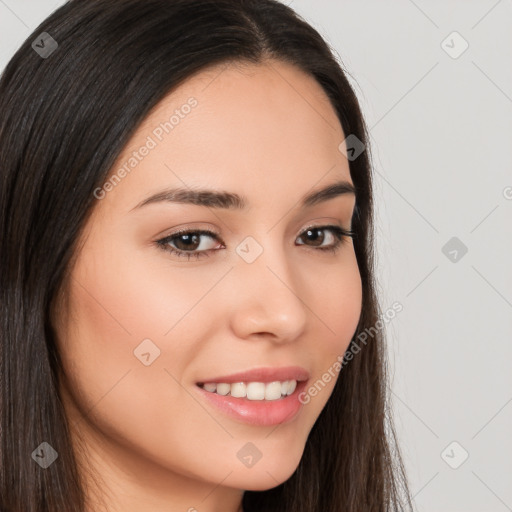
[(114, 306), (336, 307), (128, 311), (117, 302), (337, 304)]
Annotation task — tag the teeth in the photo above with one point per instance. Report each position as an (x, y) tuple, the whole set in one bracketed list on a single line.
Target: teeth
[(238, 389), (273, 390), (292, 386), (253, 390), (223, 389)]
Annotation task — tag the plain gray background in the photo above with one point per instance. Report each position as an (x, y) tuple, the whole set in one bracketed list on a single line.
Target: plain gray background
[(440, 118)]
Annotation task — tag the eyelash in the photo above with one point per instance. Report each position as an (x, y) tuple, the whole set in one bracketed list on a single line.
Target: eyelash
[(340, 234)]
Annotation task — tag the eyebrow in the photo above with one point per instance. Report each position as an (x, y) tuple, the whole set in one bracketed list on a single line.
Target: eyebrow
[(231, 201)]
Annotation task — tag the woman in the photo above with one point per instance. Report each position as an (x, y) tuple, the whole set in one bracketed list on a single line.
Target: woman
[(186, 268)]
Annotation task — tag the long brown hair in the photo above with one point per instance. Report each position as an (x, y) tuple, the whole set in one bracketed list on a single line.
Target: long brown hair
[(66, 116)]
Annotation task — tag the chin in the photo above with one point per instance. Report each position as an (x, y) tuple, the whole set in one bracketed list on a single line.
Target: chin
[(266, 477)]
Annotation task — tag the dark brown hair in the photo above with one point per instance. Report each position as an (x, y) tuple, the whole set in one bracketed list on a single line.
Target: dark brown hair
[(65, 119)]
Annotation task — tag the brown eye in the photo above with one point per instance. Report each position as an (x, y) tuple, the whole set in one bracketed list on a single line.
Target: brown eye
[(186, 243), (315, 235)]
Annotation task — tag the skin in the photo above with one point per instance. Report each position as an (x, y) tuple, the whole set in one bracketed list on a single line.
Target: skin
[(145, 438)]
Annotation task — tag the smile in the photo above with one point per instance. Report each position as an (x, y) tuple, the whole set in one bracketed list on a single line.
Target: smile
[(252, 390)]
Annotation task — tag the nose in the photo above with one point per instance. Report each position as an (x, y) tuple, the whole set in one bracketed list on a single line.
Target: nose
[(269, 298)]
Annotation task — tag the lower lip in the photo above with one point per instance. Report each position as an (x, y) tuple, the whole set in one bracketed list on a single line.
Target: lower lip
[(258, 412)]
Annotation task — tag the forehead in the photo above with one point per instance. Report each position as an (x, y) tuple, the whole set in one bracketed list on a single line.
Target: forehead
[(261, 130)]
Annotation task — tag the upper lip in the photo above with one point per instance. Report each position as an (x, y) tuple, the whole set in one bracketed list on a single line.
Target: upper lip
[(262, 374)]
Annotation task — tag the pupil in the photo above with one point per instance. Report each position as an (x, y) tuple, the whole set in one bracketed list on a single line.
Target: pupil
[(314, 238), (188, 240)]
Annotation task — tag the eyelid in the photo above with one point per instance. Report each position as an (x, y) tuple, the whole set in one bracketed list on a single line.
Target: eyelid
[(184, 231), (325, 225)]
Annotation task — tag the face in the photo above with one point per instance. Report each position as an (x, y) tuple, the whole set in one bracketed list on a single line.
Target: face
[(151, 314)]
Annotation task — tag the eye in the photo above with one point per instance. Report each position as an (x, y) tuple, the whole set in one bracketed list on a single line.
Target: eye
[(192, 246), (190, 240), (337, 235)]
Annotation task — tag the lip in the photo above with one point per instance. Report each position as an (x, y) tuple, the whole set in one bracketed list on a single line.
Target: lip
[(256, 412), (263, 374)]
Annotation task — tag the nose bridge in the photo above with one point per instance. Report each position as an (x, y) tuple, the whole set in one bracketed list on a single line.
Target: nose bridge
[(267, 297)]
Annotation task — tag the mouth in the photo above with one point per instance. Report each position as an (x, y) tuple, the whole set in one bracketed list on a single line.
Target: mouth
[(275, 390), (261, 397)]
